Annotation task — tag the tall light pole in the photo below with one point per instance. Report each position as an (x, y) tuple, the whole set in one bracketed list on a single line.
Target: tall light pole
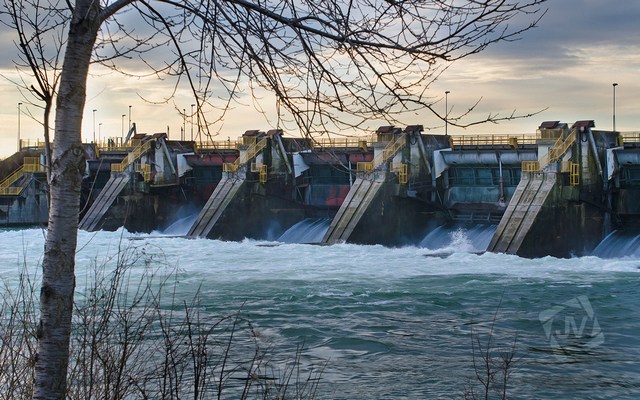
[(184, 123), (193, 105), (94, 125), (99, 131), (614, 106), (446, 112), (122, 134), (198, 123), (129, 117), (19, 114)]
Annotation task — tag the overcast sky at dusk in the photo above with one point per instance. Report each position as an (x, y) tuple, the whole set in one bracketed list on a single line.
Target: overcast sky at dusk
[(567, 65)]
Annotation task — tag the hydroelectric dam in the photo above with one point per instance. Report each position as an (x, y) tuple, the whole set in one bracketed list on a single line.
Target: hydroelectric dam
[(567, 190)]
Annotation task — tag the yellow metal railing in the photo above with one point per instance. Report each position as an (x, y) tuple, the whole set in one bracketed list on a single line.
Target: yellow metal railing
[(574, 174), (251, 152), (11, 179), (389, 151), (133, 155), (229, 167), (531, 166), (144, 170), (30, 164), (11, 191), (263, 173), (493, 139), (555, 153), (248, 140), (562, 146), (552, 133), (362, 143), (219, 145), (364, 166), (32, 143), (630, 137), (111, 144), (261, 169), (402, 170)]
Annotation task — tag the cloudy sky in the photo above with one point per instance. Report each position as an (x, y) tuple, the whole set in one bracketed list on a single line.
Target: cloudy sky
[(566, 67)]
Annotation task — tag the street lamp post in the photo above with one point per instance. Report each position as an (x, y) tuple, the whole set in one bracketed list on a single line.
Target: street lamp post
[(122, 134), (446, 112), (99, 131), (184, 123), (193, 105), (614, 106), (19, 114), (198, 131), (94, 125)]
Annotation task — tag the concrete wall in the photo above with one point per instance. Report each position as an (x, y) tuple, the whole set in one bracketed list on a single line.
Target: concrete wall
[(29, 208), (393, 219), (258, 212), (565, 227), (146, 211)]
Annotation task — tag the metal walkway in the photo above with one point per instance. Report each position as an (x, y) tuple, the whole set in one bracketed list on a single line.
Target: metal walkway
[(522, 211), (103, 202), (30, 166), (217, 203)]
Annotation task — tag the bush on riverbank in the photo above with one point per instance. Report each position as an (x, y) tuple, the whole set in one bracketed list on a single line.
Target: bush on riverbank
[(133, 338)]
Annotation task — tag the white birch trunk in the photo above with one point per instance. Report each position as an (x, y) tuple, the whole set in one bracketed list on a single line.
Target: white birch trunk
[(58, 279)]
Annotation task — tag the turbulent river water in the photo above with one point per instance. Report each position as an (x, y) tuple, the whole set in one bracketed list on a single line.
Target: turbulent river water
[(398, 323)]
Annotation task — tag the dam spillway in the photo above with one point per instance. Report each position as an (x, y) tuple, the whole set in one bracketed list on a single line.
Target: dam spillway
[(558, 192)]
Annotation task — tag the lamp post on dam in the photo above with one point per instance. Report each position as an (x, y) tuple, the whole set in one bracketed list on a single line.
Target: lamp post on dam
[(19, 114), (94, 125), (614, 106), (446, 112)]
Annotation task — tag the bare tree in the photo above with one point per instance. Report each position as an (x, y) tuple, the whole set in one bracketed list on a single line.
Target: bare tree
[(331, 64), (492, 364), (40, 32)]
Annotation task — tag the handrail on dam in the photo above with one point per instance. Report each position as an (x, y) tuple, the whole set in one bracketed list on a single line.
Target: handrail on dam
[(493, 139), (531, 166), (574, 174), (364, 166), (261, 169), (131, 157), (630, 137), (219, 145), (30, 164), (32, 144), (144, 170), (402, 171), (344, 142), (117, 144), (389, 151), (555, 153), (249, 154)]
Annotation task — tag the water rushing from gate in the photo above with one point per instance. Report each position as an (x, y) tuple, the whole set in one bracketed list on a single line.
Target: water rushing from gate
[(309, 230), (466, 238), (397, 323), (619, 244)]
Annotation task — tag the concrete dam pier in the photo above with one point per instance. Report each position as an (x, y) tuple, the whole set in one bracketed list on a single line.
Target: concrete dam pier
[(557, 192)]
